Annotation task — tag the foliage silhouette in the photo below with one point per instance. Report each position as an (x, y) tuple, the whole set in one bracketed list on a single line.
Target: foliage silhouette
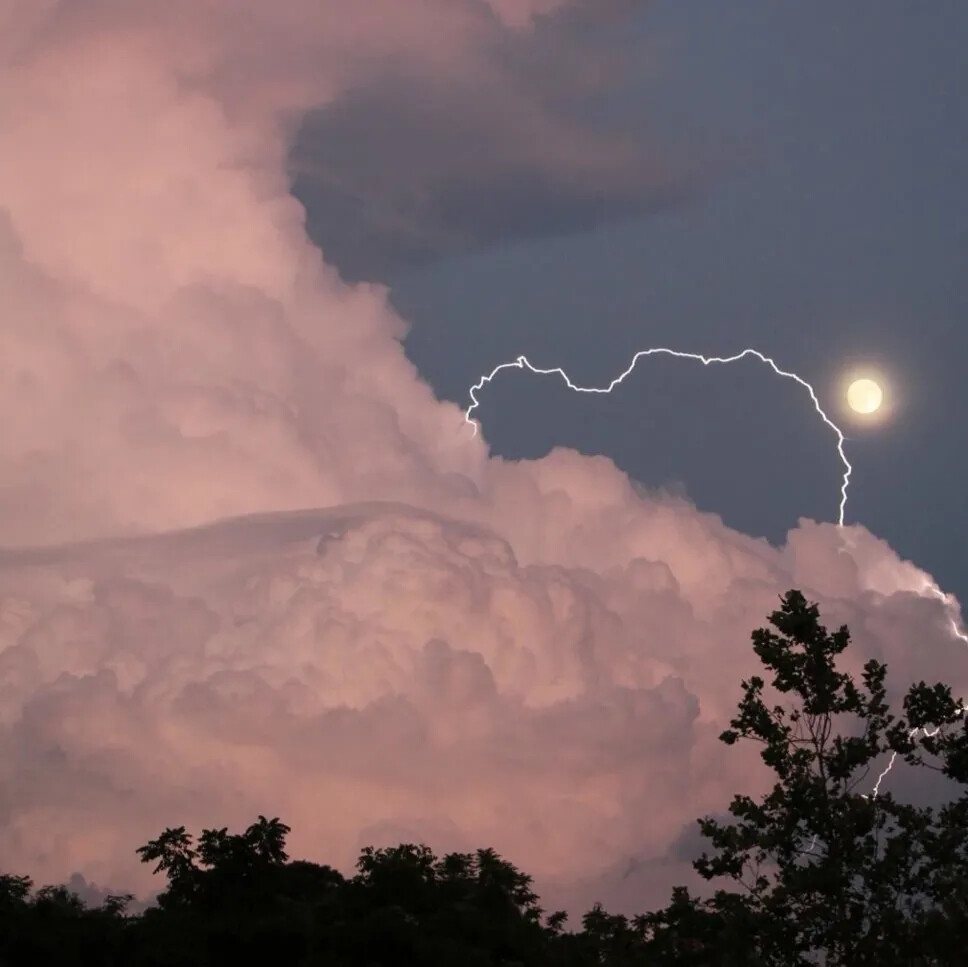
[(830, 874)]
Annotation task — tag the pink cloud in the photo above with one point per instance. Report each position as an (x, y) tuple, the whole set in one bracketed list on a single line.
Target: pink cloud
[(373, 671)]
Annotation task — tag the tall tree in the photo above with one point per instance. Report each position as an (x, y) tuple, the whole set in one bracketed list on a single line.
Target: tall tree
[(829, 873), (175, 856)]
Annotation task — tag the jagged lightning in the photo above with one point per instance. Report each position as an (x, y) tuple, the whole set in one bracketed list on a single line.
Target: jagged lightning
[(911, 735), (522, 362), (934, 590)]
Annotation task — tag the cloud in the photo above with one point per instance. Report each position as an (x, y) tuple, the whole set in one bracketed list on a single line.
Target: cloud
[(376, 672), (496, 149), (531, 655)]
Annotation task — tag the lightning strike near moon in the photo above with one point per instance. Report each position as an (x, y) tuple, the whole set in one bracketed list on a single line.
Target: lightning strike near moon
[(865, 397), (522, 362)]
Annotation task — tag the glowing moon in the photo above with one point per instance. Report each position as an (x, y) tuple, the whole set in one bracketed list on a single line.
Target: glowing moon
[(864, 396)]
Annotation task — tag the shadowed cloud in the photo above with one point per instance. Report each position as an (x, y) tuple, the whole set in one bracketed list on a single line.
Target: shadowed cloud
[(414, 166)]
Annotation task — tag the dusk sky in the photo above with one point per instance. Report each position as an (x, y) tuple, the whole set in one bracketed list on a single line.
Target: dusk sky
[(253, 560)]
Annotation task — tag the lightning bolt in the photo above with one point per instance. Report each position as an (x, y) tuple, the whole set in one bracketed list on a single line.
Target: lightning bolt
[(953, 627), (522, 362), (911, 735)]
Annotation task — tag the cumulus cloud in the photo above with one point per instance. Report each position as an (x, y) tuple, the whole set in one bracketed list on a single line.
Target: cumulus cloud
[(461, 649), (376, 673)]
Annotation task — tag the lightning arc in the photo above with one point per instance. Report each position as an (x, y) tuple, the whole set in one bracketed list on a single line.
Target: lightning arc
[(522, 362)]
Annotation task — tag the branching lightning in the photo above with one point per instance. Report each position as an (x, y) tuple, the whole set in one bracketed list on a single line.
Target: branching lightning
[(935, 591), (911, 735), (522, 362)]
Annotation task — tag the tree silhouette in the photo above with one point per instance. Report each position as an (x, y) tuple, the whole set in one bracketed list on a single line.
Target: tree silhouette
[(828, 873), (176, 859), (267, 839)]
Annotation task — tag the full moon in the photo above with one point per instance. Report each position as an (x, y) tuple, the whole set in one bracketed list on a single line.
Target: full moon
[(864, 396)]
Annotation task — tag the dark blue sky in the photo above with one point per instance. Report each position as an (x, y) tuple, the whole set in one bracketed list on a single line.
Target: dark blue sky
[(827, 227)]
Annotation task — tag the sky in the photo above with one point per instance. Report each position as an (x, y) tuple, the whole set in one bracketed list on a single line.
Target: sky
[(828, 232), (253, 559)]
